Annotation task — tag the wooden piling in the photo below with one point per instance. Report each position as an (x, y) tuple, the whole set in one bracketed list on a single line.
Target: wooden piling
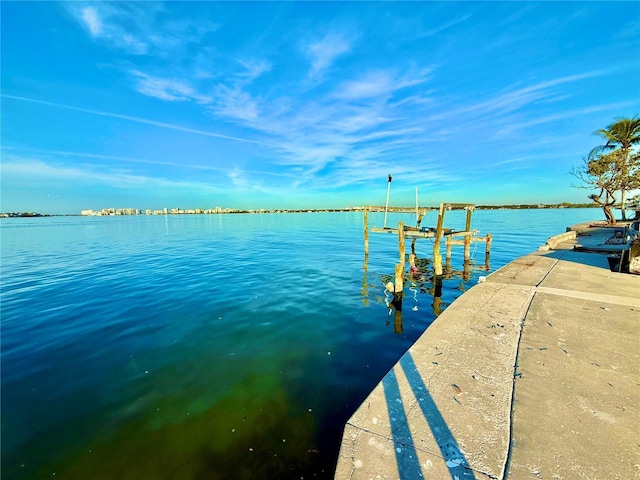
[(467, 238), (449, 243), (467, 226), (437, 295), (401, 243), (487, 252), (437, 258)]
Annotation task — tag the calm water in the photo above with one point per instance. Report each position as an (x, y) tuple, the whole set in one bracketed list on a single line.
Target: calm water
[(210, 346)]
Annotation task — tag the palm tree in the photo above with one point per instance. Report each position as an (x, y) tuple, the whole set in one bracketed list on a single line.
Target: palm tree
[(622, 134)]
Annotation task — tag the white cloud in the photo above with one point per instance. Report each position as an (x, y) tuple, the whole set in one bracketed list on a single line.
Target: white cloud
[(512, 127), (139, 27), (167, 89), (380, 83), (445, 26), (36, 169), (59, 154), (254, 68), (235, 104), (323, 53), (496, 109), (374, 84), (92, 21), (141, 120)]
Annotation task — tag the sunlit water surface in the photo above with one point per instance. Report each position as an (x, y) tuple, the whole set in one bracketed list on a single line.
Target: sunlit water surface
[(209, 346)]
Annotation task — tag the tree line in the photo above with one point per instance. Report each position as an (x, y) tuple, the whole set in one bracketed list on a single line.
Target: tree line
[(613, 167)]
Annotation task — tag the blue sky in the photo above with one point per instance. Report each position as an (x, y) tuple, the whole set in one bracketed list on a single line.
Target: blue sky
[(308, 104)]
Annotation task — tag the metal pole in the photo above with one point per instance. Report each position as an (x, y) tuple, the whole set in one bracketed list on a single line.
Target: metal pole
[(386, 208), (417, 220)]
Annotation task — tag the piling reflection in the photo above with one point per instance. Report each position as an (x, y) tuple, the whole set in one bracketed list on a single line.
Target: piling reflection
[(437, 295), (419, 279), (364, 292)]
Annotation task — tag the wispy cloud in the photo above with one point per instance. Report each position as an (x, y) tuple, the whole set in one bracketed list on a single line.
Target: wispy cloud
[(323, 53), (254, 68), (82, 184), (499, 113), (88, 156), (445, 26), (551, 118), (235, 103), (91, 20), (102, 21), (513, 99), (140, 120), (167, 89), (36, 169), (371, 85), (138, 28), (380, 84)]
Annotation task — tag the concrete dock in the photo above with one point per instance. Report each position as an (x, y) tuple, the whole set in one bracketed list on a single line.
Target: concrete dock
[(533, 373)]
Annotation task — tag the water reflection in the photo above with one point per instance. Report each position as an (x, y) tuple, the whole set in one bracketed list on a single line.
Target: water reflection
[(364, 292), (420, 278)]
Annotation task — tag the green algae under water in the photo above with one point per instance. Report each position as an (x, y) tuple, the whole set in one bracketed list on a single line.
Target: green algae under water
[(266, 436)]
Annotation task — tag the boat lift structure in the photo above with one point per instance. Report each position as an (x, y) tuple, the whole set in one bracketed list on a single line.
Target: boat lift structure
[(437, 233)]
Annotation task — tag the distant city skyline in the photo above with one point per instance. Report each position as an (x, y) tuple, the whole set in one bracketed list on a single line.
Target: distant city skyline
[(307, 105)]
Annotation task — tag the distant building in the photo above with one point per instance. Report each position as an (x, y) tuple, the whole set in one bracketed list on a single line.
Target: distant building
[(126, 211)]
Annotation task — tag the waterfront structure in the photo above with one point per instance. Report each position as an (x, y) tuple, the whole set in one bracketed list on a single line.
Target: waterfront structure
[(529, 374)]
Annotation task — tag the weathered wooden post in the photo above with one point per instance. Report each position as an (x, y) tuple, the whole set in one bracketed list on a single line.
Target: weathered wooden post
[(437, 258), (448, 251), (487, 252), (467, 237), (401, 243)]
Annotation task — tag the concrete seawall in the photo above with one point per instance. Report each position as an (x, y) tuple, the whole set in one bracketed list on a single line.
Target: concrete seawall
[(534, 373)]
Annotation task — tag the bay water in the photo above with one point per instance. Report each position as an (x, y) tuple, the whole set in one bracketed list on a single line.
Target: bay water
[(229, 346)]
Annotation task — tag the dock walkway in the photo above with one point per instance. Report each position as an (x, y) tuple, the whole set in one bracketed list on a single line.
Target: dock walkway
[(533, 373)]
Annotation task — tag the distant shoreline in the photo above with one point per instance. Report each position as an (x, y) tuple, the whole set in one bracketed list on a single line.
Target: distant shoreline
[(288, 210)]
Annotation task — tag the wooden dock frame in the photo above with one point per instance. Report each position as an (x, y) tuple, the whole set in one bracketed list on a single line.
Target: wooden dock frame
[(440, 232)]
